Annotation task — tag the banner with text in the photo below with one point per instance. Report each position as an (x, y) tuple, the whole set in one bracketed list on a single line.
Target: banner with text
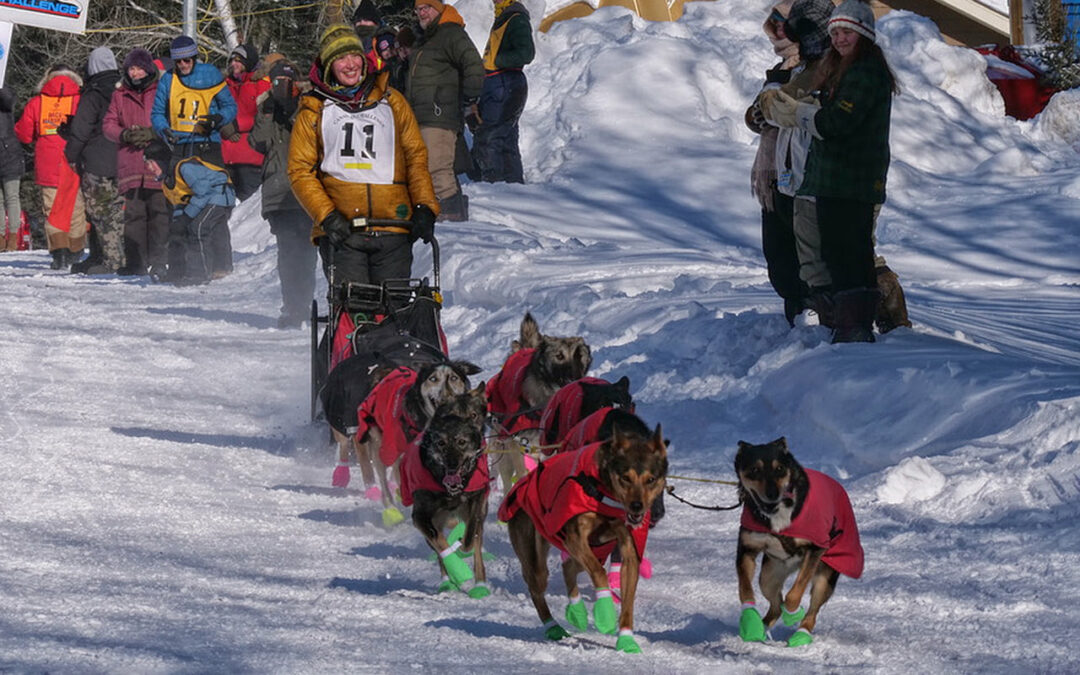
[(5, 47), (53, 14)]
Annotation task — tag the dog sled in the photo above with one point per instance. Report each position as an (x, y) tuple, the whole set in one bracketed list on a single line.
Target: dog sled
[(368, 329)]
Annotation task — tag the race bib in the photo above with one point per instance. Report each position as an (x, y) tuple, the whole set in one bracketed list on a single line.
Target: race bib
[(188, 106), (358, 147)]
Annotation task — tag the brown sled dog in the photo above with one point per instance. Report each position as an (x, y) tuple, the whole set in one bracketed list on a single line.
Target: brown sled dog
[(588, 503), (445, 478), (799, 520), (537, 367)]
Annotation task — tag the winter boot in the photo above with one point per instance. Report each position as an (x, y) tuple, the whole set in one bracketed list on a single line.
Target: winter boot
[(793, 307), (854, 315), (820, 301), (59, 258), (454, 208), (11, 242), (892, 309)]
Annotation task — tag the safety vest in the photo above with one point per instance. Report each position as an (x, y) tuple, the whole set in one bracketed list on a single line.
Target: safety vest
[(179, 193), (188, 105), (54, 110)]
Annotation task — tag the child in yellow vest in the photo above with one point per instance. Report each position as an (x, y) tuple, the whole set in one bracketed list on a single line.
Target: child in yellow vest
[(202, 197)]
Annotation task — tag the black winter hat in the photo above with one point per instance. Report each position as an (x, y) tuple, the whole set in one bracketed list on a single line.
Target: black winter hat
[(247, 55), (367, 10), (807, 24), (284, 69)]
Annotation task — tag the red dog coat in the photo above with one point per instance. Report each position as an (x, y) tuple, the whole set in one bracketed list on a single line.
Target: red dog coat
[(384, 407), (415, 476), (565, 486), (585, 432), (505, 398), (826, 519), (563, 411)]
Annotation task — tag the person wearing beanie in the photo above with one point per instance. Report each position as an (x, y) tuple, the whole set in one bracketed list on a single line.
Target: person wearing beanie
[(387, 48), (366, 20), (191, 107), (289, 224), (445, 72), (777, 208), (202, 199), (502, 100), (848, 162), (94, 157), (127, 123), (355, 153), (55, 99), (243, 162)]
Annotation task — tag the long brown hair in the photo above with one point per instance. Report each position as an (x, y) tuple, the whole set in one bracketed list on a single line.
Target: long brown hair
[(833, 66)]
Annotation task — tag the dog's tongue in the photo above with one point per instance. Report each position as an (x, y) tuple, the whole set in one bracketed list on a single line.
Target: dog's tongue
[(452, 480)]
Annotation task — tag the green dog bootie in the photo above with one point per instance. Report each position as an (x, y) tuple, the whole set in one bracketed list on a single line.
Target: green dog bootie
[(751, 627), (456, 568), (479, 590), (553, 631), (391, 516), (457, 533), (576, 614), (801, 638), (603, 612), (445, 586), (792, 618), (626, 643)]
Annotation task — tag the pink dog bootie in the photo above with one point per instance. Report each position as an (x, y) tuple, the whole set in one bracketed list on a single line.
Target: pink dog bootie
[(341, 475), (373, 494)]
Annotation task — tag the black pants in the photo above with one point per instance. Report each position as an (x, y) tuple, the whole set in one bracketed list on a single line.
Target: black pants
[(295, 260), (200, 235), (847, 242), (495, 143), (246, 179), (778, 245), (146, 228), (379, 258)]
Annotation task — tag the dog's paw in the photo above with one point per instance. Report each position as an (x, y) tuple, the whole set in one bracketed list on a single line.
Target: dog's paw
[(604, 614), (372, 494), (576, 614), (626, 643), (792, 618), (751, 627), (391, 516), (341, 476), (553, 631), (800, 638), (445, 586), (479, 590)]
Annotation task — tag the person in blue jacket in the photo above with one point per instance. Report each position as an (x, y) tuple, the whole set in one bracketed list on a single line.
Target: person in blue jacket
[(192, 102), (202, 197)]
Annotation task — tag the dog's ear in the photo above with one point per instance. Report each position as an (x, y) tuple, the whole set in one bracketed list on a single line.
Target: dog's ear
[(624, 384), (530, 333), (781, 443), (466, 367), (658, 442), (480, 390), (583, 356)]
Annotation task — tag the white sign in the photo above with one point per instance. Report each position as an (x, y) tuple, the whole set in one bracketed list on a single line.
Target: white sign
[(65, 15), (5, 47)]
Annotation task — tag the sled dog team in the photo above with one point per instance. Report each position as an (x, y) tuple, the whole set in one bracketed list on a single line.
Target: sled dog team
[(420, 435)]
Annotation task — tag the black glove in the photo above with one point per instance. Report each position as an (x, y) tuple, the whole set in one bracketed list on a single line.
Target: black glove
[(231, 132), (336, 227), (423, 224), (207, 124)]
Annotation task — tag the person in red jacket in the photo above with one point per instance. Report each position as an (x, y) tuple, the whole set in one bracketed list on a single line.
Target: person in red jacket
[(242, 161), (55, 100)]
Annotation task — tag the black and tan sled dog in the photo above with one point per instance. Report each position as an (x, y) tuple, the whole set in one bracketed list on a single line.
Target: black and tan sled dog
[(444, 476), (587, 503), (800, 520)]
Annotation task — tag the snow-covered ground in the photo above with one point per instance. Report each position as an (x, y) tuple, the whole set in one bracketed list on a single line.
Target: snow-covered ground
[(166, 506)]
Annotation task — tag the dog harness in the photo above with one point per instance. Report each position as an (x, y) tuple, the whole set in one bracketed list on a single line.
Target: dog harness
[(827, 520), (505, 398), (565, 486), (563, 411), (384, 408), (415, 476)]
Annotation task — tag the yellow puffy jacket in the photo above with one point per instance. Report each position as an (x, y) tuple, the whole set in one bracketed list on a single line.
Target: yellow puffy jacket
[(320, 193)]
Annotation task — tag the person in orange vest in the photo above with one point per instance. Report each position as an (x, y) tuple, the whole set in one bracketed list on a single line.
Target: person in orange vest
[(56, 99)]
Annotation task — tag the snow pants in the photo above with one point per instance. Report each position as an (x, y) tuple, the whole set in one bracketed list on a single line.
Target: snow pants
[(295, 260), (495, 143)]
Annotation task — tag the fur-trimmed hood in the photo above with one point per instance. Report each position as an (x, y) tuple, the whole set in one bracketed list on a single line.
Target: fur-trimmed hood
[(62, 82)]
